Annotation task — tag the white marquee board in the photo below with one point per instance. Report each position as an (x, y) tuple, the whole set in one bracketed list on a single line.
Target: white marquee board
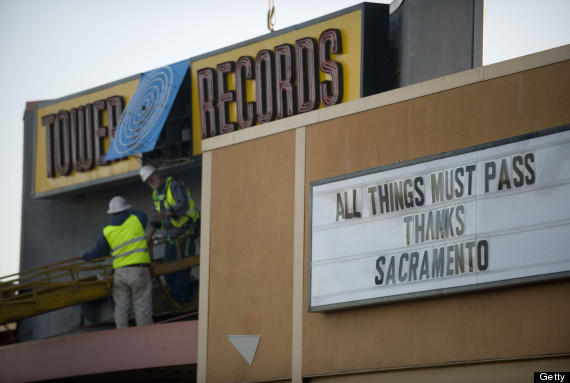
[(488, 216)]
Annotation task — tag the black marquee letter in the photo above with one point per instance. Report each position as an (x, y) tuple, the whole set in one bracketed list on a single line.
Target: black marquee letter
[(115, 105), (225, 96), (286, 95), (307, 74), (264, 80), (207, 96), (48, 121), (62, 144), (331, 91), (100, 132), (245, 111), (482, 255)]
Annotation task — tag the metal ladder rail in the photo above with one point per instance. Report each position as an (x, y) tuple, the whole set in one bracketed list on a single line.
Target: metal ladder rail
[(51, 287), (32, 285)]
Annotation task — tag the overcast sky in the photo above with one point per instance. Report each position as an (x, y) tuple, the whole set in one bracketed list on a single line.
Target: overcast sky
[(55, 48)]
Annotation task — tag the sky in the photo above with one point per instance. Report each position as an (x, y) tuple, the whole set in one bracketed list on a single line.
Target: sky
[(51, 49)]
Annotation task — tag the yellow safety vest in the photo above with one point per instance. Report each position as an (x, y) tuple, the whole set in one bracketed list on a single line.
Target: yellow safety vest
[(191, 214), (127, 242)]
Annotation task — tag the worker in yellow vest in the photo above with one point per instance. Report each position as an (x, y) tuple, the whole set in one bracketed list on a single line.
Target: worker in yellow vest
[(124, 238), (176, 213)]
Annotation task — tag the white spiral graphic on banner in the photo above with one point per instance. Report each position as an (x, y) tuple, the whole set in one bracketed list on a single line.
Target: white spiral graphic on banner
[(144, 110)]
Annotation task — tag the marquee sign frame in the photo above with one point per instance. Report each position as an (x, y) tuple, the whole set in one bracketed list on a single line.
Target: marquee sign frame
[(489, 216)]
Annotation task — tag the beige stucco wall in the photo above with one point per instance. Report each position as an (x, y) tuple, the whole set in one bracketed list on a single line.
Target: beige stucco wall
[(252, 264), (504, 371), (502, 324), (466, 116)]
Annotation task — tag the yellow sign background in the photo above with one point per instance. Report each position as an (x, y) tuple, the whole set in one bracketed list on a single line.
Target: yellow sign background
[(42, 182), (350, 26)]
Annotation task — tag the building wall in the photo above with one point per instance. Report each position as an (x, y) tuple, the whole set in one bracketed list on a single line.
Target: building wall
[(63, 225), (460, 328), (254, 268), (493, 325), (253, 224)]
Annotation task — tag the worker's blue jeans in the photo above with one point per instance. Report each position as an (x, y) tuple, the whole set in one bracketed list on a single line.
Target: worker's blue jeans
[(179, 282)]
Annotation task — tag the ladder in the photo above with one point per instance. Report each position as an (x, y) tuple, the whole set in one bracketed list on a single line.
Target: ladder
[(51, 287)]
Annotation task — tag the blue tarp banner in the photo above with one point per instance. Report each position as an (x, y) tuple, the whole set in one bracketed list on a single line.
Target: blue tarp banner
[(145, 114)]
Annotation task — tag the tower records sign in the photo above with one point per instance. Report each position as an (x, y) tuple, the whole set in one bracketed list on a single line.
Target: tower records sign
[(451, 223)]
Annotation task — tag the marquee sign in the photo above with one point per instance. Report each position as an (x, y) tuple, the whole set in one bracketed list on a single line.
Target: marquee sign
[(334, 59), (457, 222), (84, 139)]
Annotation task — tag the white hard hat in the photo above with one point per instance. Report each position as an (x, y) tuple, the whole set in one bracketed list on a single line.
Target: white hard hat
[(146, 171), (117, 205)]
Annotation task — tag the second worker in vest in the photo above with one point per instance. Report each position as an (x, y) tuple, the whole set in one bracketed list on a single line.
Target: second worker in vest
[(175, 212), (124, 238)]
